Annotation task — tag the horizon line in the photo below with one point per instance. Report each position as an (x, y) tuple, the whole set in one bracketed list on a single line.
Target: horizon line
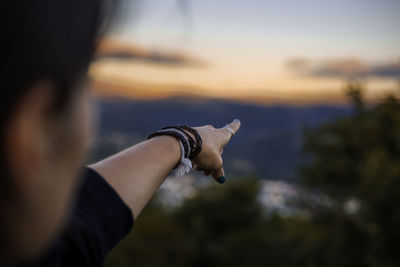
[(140, 91)]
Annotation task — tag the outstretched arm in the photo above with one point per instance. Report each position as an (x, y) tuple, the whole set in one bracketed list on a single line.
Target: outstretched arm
[(137, 172)]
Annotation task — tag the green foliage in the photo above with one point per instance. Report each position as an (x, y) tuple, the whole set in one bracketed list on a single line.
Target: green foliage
[(358, 159), (348, 217), (221, 225), (217, 213)]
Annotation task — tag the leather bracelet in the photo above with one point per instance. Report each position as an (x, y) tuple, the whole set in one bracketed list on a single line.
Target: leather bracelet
[(192, 143), (174, 134), (199, 142)]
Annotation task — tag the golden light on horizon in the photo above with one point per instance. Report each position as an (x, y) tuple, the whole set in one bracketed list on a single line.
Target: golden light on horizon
[(131, 71)]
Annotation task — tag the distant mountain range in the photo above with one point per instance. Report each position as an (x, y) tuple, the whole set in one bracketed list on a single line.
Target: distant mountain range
[(268, 145)]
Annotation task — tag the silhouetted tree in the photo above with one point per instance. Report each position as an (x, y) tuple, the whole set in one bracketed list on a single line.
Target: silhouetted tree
[(355, 161)]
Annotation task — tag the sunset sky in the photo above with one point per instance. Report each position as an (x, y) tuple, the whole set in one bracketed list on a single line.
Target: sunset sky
[(287, 49)]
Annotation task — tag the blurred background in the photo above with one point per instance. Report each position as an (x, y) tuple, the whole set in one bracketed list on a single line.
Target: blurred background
[(313, 176)]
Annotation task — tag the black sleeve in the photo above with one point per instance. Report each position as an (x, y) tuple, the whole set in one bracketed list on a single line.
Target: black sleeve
[(100, 220)]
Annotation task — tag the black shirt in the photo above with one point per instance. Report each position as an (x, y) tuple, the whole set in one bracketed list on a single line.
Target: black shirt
[(100, 220)]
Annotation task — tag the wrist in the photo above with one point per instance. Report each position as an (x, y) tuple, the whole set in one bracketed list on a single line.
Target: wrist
[(169, 146), (189, 141)]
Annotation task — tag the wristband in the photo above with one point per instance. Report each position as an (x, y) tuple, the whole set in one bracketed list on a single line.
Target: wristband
[(179, 136), (185, 164), (195, 150)]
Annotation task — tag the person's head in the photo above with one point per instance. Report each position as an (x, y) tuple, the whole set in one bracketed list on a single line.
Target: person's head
[(46, 49)]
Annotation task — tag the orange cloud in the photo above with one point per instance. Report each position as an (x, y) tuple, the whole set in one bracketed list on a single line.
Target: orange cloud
[(110, 48), (344, 68)]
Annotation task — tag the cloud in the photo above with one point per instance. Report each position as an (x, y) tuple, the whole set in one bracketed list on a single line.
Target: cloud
[(344, 68), (126, 51)]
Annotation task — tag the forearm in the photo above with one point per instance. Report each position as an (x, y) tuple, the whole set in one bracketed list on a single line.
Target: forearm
[(137, 172)]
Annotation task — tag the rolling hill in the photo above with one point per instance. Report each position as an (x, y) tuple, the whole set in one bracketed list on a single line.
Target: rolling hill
[(268, 145)]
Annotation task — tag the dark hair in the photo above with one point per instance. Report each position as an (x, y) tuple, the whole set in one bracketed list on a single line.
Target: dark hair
[(46, 39), (50, 40)]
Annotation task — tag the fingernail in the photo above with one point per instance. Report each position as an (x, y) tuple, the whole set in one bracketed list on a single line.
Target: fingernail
[(236, 120), (221, 179)]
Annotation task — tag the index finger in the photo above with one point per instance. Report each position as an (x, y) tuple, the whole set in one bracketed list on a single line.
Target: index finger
[(234, 126), (231, 129)]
